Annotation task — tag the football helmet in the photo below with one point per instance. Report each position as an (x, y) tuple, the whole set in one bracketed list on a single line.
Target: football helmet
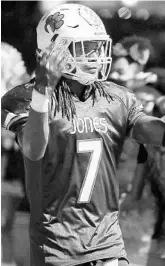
[(72, 25)]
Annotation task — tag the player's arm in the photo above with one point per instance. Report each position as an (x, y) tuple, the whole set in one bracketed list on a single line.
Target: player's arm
[(149, 130), (33, 138), (35, 135), (143, 128)]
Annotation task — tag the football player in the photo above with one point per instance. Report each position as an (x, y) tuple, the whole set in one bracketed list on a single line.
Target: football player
[(70, 125)]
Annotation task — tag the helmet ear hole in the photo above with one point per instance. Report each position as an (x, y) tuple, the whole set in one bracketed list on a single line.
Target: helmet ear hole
[(68, 66)]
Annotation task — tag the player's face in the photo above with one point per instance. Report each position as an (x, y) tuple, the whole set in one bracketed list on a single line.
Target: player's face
[(92, 51), (122, 70)]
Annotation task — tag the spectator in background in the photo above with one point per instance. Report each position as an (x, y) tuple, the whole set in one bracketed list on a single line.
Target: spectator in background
[(160, 82), (148, 96), (13, 72), (148, 87), (130, 56)]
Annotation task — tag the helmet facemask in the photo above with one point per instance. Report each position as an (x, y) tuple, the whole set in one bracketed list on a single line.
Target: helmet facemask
[(80, 60)]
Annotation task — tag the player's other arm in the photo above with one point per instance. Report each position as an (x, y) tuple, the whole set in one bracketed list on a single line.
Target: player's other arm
[(149, 130), (143, 128), (35, 135)]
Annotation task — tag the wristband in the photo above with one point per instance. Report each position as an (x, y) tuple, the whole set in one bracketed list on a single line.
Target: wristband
[(40, 102)]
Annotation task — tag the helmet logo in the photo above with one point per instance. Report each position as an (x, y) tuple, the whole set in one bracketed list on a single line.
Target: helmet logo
[(54, 22)]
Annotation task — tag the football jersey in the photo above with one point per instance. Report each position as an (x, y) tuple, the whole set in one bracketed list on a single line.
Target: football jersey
[(73, 190)]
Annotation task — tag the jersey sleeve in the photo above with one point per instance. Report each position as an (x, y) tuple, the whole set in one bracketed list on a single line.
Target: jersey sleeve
[(135, 110)]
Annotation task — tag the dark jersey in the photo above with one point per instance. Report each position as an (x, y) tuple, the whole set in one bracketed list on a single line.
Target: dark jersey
[(73, 191)]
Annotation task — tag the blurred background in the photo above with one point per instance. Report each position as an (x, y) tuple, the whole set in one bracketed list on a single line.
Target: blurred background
[(18, 46), (121, 18)]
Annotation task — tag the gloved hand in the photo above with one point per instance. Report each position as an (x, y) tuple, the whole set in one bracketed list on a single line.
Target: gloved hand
[(15, 105), (50, 64)]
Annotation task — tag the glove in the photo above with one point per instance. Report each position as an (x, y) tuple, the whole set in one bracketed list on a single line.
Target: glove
[(15, 105), (50, 65)]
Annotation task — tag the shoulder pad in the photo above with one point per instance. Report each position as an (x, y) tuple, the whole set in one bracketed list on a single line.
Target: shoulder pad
[(117, 90)]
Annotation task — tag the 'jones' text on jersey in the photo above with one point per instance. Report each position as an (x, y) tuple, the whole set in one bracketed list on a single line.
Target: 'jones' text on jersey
[(88, 124)]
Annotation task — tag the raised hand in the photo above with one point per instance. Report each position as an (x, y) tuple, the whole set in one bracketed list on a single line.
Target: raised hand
[(49, 68)]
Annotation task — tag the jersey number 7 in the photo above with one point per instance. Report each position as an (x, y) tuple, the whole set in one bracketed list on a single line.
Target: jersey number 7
[(94, 146)]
